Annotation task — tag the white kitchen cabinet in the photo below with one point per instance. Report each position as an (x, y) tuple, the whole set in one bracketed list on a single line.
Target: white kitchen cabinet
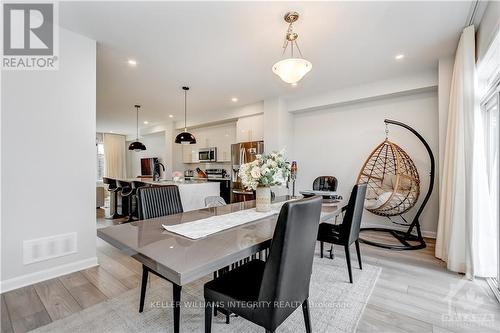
[(226, 139), (218, 136), (250, 128), (190, 153)]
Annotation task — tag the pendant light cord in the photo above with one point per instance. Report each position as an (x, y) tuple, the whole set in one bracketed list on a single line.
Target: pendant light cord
[(185, 110), (137, 123)]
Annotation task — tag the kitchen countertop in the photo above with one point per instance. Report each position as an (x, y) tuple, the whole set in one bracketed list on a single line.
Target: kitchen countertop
[(204, 179), (150, 181)]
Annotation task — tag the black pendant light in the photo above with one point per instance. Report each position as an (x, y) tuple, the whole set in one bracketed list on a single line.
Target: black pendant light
[(136, 145), (185, 137)]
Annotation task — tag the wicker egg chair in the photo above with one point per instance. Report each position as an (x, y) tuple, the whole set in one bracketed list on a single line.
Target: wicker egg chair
[(394, 188), (392, 178)]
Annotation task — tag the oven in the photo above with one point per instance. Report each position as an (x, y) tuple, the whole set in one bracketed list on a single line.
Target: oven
[(207, 154)]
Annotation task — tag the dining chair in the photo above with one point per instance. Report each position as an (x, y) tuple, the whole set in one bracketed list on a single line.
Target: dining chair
[(325, 183), (266, 293), (156, 201), (348, 232), (214, 201)]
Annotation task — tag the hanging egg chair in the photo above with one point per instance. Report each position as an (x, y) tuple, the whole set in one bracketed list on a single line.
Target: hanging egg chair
[(393, 183), (393, 188)]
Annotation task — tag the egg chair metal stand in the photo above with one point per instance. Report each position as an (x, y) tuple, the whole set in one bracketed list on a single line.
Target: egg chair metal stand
[(412, 238)]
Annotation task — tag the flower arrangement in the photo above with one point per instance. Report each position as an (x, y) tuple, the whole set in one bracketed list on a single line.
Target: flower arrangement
[(266, 170)]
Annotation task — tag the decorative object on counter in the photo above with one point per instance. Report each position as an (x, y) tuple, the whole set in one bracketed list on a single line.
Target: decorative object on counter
[(176, 176), (293, 176), (394, 187), (185, 137), (265, 171), (200, 173), (291, 70), (137, 146)]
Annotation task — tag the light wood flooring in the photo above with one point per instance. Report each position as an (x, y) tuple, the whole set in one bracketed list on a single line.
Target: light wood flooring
[(415, 293)]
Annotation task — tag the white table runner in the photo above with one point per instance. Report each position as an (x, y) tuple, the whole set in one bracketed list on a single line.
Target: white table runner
[(211, 225)]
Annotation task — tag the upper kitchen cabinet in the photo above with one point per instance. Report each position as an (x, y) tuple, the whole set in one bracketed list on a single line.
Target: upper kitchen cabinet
[(190, 152), (226, 139), (218, 136), (250, 128)]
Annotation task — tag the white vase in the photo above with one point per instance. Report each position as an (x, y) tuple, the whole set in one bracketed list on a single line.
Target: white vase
[(263, 199)]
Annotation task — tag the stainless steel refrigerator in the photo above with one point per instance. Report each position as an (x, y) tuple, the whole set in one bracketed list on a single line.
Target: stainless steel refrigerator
[(242, 153)]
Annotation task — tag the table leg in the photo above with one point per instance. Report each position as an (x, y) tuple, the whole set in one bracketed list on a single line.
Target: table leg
[(177, 307)]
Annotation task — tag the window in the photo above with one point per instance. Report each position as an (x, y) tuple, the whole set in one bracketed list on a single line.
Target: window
[(489, 90), (100, 156)]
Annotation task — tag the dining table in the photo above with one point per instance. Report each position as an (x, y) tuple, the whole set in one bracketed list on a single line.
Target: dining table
[(182, 260)]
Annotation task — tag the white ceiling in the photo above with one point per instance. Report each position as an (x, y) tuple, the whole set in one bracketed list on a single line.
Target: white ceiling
[(226, 49)]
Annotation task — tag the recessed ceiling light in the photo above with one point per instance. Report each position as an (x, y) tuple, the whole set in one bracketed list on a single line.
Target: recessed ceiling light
[(170, 115), (146, 122), (111, 131), (399, 56), (294, 84), (132, 62), (234, 99)]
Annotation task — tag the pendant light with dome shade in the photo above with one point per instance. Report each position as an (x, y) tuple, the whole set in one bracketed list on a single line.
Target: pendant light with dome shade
[(185, 138), (293, 69), (137, 146)]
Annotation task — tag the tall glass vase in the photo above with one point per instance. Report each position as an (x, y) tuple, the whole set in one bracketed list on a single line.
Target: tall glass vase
[(263, 199)]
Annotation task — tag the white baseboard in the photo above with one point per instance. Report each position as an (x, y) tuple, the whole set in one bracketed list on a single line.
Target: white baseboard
[(425, 233), (32, 278)]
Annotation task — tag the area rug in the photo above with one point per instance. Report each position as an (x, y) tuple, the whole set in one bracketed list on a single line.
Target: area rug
[(335, 305)]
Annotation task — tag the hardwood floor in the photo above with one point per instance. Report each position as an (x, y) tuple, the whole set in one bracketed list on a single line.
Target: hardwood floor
[(415, 293)]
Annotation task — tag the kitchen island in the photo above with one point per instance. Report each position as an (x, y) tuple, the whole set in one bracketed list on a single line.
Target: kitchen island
[(193, 192)]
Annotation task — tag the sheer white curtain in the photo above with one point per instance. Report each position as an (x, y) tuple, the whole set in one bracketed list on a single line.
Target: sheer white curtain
[(114, 156), (464, 229)]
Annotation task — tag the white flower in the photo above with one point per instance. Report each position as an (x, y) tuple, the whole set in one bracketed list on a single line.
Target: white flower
[(255, 172), (278, 177)]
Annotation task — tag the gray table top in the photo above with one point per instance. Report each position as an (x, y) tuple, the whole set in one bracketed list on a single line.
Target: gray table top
[(182, 260)]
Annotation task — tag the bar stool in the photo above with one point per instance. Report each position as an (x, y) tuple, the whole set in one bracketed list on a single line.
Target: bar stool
[(134, 203), (113, 189), (126, 195)]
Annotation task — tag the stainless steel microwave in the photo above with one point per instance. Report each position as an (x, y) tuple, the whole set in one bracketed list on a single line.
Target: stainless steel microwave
[(207, 154)]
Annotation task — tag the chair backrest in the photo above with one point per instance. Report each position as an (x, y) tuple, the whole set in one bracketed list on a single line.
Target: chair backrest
[(122, 184), (354, 211), (325, 183), (110, 182), (214, 201), (159, 201), (289, 266)]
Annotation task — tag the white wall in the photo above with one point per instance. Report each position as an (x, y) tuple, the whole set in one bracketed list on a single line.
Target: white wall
[(156, 146), (49, 162), (336, 141), (488, 27), (207, 118)]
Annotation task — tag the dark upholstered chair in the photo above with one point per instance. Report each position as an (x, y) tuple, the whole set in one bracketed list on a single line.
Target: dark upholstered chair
[(282, 280), (159, 201), (325, 183), (114, 189), (156, 202), (348, 232)]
